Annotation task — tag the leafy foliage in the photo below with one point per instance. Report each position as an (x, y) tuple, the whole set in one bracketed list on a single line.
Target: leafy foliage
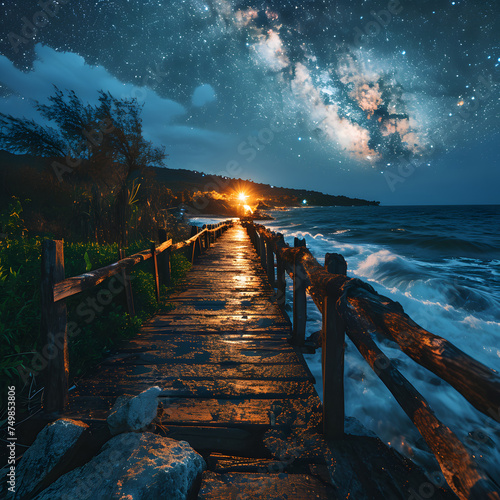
[(20, 307), (111, 128), (12, 222)]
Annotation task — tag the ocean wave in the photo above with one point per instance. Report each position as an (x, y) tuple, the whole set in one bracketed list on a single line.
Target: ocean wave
[(448, 285)]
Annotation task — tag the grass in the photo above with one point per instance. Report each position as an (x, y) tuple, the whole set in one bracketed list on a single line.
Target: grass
[(100, 325)]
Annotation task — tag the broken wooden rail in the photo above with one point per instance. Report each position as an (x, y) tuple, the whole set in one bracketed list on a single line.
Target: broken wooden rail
[(348, 305), (56, 288)]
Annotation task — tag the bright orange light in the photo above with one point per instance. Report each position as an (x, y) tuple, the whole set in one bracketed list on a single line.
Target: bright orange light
[(242, 196), (248, 209)]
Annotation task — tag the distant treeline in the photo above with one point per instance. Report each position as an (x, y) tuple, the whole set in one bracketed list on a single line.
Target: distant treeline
[(181, 180), (82, 206)]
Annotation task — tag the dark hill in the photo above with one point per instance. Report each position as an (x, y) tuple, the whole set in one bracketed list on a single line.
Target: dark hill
[(180, 180), (19, 173)]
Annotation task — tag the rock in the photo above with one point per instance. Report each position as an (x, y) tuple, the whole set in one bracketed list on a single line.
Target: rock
[(315, 339), (354, 427), (50, 446), (132, 466), (134, 413)]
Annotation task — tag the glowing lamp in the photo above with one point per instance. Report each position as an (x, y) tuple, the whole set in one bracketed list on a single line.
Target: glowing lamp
[(304, 202)]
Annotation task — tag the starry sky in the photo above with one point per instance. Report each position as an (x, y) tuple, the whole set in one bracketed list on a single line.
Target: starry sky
[(390, 100)]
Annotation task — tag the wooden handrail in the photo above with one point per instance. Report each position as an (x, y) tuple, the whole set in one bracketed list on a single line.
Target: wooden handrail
[(459, 468), (55, 290), (479, 384), (372, 312), (355, 306), (76, 284)]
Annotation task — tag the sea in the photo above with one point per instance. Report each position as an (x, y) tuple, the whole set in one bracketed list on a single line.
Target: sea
[(442, 264)]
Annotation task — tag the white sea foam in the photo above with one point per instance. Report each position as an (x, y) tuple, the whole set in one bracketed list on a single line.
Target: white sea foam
[(434, 296)]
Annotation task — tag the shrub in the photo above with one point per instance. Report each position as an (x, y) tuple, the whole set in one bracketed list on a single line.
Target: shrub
[(20, 308)]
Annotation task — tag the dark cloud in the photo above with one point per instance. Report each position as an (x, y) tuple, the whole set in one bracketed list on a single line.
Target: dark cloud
[(360, 86)]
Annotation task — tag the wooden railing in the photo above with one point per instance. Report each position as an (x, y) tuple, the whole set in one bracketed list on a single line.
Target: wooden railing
[(56, 288), (354, 307)]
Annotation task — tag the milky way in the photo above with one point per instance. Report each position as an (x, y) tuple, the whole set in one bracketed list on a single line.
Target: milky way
[(359, 86)]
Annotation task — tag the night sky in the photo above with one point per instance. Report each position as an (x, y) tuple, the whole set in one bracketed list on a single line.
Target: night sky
[(396, 101)]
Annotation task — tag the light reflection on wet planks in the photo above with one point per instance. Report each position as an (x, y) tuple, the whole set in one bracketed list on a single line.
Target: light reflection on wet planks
[(231, 383), (221, 355)]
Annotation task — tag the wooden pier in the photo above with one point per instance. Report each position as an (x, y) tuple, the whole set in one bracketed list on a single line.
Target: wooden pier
[(235, 384), (228, 375)]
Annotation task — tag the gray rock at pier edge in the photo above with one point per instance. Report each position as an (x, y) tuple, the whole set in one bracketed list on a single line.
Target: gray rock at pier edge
[(134, 413), (132, 466), (49, 447)]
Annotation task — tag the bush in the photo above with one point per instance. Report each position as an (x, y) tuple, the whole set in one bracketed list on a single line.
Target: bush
[(99, 328)]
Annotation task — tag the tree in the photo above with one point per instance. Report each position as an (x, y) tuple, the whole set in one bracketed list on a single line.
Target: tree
[(83, 131), (104, 141)]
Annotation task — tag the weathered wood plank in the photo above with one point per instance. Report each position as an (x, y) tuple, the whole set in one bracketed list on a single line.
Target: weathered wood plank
[(54, 328), (77, 284), (263, 487), (260, 412), (181, 370), (170, 343), (206, 388), (205, 354), (224, 439), (218, 462)]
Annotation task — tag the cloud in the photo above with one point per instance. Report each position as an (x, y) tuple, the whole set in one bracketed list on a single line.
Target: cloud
[(202, 95), (70, 71)]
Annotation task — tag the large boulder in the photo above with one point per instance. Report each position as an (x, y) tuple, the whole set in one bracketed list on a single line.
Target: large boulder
[(51, 445), (134, 413), (132, 466)]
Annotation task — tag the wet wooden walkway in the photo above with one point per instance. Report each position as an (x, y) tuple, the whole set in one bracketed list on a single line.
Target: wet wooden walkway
[(239, 393)]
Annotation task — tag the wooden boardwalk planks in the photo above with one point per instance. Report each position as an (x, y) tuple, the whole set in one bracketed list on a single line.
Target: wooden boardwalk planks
[(232, 384), (218, 355)]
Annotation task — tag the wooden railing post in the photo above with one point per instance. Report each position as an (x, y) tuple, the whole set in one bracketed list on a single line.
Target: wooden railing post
[(54, 328), (194, 231), (332, 358), (280, 279), (262, 251), (270, 262), (299, 299), (127, 290), (164, 260), (335, 264), (298, 242), (207, 237), (155, 271), (251, 232)]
